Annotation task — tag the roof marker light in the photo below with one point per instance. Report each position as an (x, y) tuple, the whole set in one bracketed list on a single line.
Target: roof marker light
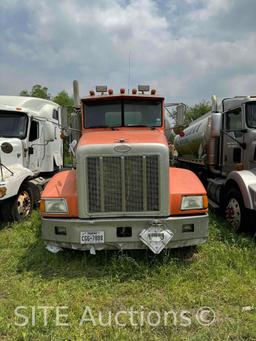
[(134, 91), (122, 91), (153, 91), (92, 93), (110, 91)]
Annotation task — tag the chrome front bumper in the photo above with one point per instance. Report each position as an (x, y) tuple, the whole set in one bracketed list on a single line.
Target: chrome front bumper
[(187, 231)]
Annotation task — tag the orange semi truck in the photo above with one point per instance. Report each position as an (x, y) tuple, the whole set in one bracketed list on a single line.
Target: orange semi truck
[(122, 193)]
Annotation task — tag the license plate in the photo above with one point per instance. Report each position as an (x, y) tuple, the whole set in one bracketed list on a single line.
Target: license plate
[(95, 237)]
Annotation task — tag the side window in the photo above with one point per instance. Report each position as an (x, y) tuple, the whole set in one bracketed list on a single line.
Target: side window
[(34, 131), (234, 120), (55, 114)]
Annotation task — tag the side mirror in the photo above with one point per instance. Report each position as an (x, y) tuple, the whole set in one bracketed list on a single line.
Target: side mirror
[(180, 120), (49, 132), (180, 116), (75, 126)]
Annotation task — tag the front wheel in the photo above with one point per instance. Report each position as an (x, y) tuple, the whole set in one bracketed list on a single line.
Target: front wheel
[(20, 206), (235, 211)]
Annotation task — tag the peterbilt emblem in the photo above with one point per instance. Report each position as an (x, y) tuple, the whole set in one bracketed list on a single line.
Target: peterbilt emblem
[(124, 148)]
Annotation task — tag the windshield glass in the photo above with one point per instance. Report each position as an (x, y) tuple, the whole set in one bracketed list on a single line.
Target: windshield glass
[(13, 124), (123, 113), (251, 114)]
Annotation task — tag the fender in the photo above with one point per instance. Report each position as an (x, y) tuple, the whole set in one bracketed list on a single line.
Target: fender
[(184, 182), (13, 182), (246, 182), (63, 185)]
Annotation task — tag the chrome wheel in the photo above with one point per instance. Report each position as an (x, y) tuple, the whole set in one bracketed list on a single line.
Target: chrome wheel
[(24, 204), (233, 213)]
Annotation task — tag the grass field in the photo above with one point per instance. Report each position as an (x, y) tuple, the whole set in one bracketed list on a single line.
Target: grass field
[(221, 275)]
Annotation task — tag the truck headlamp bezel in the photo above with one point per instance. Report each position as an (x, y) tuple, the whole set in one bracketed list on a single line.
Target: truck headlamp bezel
[(55, 206), (192, 202)]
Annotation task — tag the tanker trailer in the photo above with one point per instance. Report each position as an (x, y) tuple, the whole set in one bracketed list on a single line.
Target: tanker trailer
[(198, 143), (221, 148)]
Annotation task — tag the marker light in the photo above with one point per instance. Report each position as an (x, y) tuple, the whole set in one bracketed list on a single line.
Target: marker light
[(134, 91), (110, 91), (153, 91), (122, 91), (92, 93)]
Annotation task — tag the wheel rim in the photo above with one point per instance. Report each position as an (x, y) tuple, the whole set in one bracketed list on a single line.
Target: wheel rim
[(23, 204), (233, 213)]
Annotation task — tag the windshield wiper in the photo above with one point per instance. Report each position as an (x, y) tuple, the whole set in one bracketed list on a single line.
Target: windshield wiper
[(141, 125), (138, 125), (104, 126)]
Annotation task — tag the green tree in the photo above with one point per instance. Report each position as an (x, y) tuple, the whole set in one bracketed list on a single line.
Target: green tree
[(197, 111), (37, 91), (64, 100), (24, 93)]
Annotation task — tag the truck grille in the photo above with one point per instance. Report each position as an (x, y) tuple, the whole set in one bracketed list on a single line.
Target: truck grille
[(123, 184)]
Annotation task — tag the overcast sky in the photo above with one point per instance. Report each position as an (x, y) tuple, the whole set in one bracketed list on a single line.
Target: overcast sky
[(187, 49)]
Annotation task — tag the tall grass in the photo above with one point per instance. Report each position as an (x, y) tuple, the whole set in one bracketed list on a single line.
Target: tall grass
[(220, 275)]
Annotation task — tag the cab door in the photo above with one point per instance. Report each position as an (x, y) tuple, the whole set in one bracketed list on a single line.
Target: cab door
[(233, 138), (35, 145)]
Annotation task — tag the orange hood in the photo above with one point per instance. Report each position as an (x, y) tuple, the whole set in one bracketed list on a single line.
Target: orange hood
[(127, 135)]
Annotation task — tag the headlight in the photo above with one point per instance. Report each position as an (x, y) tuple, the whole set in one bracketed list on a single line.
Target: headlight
[(54, 206), (192, 202)]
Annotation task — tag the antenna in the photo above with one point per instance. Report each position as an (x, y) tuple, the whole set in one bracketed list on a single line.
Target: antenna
[(129, 72)]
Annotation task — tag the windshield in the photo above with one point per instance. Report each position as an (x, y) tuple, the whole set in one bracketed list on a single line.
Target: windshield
[(251, 114), (13, 124), (123, 113)]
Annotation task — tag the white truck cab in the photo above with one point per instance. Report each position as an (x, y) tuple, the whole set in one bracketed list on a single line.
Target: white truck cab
[(31, 149)]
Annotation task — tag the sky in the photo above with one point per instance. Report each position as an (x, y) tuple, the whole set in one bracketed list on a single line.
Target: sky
[(186, 49)]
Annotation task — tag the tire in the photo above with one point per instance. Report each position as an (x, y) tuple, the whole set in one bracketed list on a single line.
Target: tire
[(20, 206), (235, 211)]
